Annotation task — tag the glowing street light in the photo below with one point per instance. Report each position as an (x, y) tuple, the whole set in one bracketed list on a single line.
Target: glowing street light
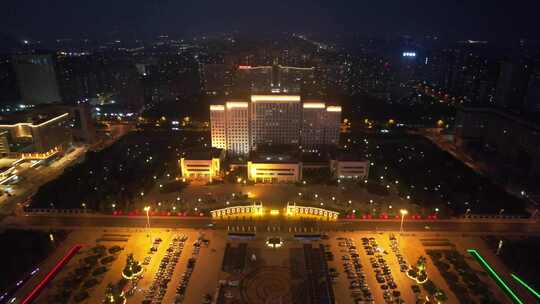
[(147, 209), (403, 213)]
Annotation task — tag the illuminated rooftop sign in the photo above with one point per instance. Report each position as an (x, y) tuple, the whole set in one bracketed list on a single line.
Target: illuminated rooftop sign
[(409, 54)]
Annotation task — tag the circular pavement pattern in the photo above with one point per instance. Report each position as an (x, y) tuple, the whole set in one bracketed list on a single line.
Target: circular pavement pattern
[(266, 285)]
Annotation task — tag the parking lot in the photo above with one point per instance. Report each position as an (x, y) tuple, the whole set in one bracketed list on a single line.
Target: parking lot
[(187, 266)]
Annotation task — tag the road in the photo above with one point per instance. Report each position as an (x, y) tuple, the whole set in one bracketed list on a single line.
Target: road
[(455, 226), (33, 178)]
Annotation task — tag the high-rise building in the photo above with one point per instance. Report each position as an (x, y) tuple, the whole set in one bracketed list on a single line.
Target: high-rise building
[(332, 121), (273, 78), (313, 124), (37, 80), (237, 127), (217, 79), (218, 123), (229, 127), (532, 100), (274, 120), (512, 85)]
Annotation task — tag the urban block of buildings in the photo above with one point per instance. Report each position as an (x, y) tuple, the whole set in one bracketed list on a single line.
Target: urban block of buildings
[(272, 137)]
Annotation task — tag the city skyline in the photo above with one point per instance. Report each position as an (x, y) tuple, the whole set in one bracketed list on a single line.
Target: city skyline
[(499, 20)]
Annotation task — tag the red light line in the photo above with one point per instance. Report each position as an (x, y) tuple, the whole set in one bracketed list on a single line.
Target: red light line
[(35, 291)]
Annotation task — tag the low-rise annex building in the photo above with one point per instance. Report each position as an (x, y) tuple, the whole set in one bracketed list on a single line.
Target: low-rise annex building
[(202, 164)]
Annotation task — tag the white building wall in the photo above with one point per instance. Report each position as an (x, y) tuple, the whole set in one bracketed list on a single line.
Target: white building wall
[(218, 126), (237, 127), (274, 172)]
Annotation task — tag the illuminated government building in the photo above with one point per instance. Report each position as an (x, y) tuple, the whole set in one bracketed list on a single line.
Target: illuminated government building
[(241, 126)]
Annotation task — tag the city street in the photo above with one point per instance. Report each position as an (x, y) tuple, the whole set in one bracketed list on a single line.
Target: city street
[(437, 226)]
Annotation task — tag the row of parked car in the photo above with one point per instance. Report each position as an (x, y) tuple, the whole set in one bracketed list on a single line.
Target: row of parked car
[(184, 281), (395, 248), (403, 266), (383, 273), (158, 288), (360, 290)]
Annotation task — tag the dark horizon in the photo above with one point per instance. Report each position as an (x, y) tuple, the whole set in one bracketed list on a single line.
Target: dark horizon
[(138, 19)]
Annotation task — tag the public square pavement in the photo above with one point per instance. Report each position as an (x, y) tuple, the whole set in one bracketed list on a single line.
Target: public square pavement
[(344, 197)]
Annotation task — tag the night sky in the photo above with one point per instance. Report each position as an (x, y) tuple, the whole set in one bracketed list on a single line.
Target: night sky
[(457, 19)]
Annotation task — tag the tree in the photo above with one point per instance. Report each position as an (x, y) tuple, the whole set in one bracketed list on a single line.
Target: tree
[(113, 295), (132, 269), (440, 296)]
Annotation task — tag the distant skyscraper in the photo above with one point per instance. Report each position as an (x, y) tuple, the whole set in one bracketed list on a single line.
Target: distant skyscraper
[(512, 85), (36, 77), (273, 78), (532, 100), (217, 79), (241, 126)]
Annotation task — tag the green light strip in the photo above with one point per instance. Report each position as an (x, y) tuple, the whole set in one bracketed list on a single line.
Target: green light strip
[(495, 276), (529, 288)]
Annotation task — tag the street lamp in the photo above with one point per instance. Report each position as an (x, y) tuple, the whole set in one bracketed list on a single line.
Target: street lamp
[(147, 209), (403, 213)]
